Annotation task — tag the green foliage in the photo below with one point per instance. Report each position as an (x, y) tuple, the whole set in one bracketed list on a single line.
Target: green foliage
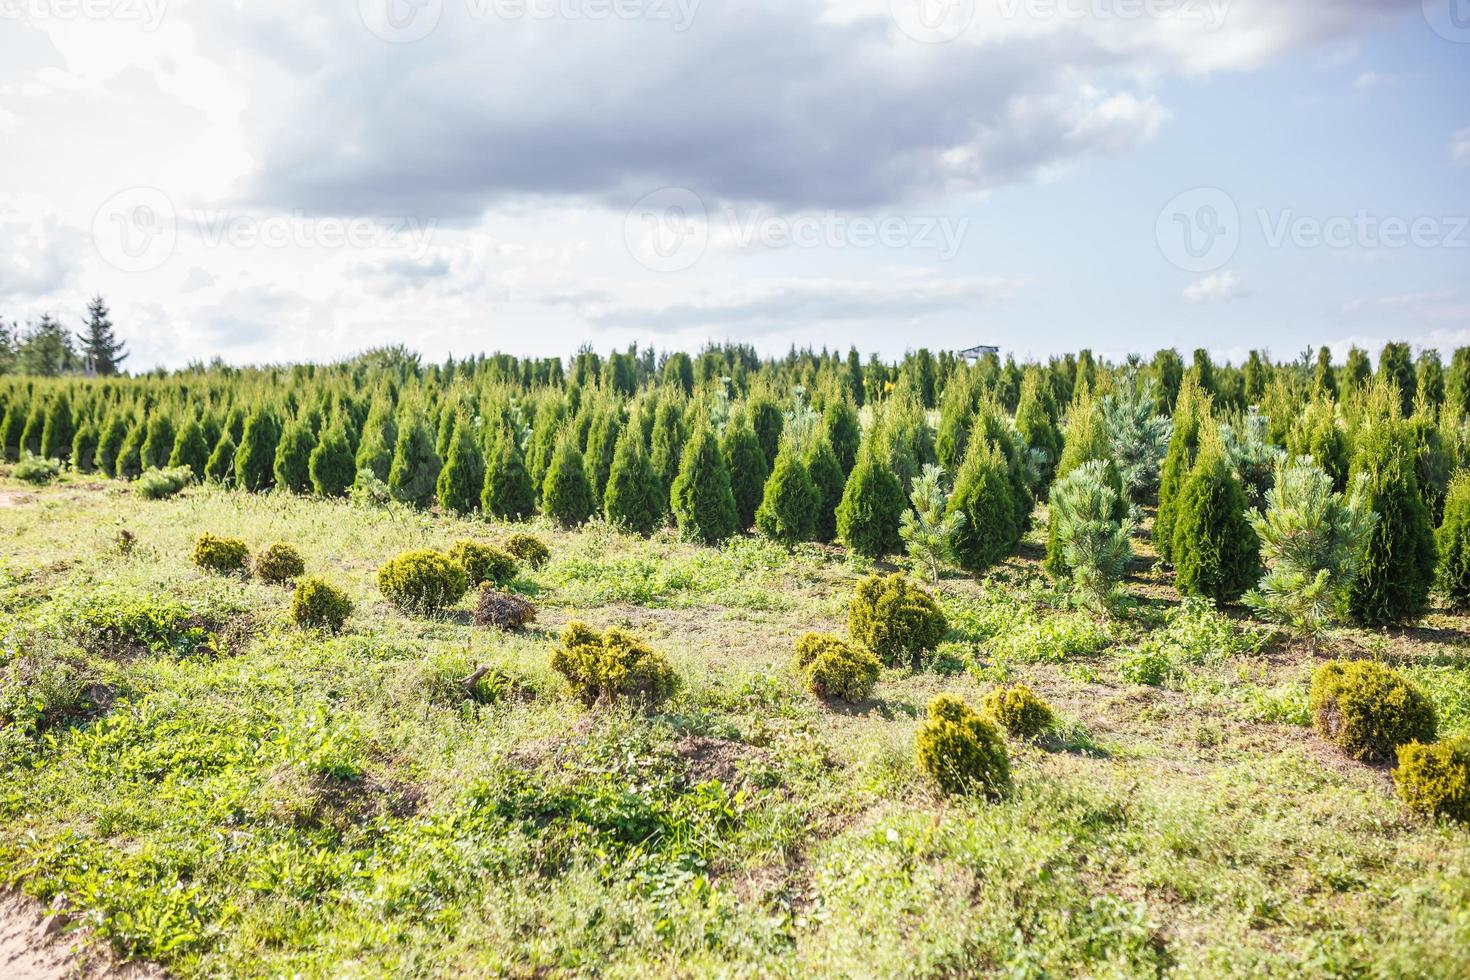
[(703, 505), (1311, 541), (1251, 455), (1036, 423), (612, 666), (462, 480), (1018, 710), (1215, 549), (1191, 414), (983, 499), (422, 582), (317, 604), (1369, 710), (1398, 565), (895, 619), (871, 512), (962, 752), (36, 470), (500, 610), (833, 668), (1318, 435), (1435, 779), (748, 468), (278, 564), (509, 493), (331, 467), (1452, 576), (292, 466), (414, 475), (483, 562), (223, 555), (84, 450), (1137, 436), (1094, 542), (221, 465), (255, 458), (158, 440), (842, 431), (634, 498), (528, 548), (156, 484), (928, 530), (190, 449), (566, 496), (788, 509), (117, 623), (829, 479)]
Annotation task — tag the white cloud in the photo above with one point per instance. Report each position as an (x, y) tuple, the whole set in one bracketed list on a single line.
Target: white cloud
[(1219, 287), (1460, 148)]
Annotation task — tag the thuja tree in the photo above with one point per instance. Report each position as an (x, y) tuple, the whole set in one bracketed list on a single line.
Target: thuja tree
[(872, 507), (1093, 539), (1251, 454), (788, 510), (508, 493), (566, 495), (701, 501), (415, 471), (1312, 539), (746, 462), (331, 466), (1215, 549), (191, 449), (1452, 577), (462, 479), (292, 465), (928, 528), (1191, 409), (1036, 423), (1399, 560), (634, 497), (255, 458), (1316, 432), (1086, 440), (982, 495), (830, 480)]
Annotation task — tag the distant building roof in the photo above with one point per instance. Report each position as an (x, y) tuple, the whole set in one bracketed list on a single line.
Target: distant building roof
[(979, 351)]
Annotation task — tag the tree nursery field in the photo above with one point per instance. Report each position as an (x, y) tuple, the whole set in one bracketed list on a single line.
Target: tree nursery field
[(716, 665)]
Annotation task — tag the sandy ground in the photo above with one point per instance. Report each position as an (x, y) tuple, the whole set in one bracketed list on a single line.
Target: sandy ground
[(33, 947)]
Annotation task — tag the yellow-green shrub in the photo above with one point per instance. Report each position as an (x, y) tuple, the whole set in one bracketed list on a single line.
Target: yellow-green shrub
[(319, 604), (222, 555), (961, 751), (483, 562), (1369, 709), (529, 549), (895, 619), (834, 668), (1435, 779), (1018, 709), (423, 581), (612, 666), (279, 563)]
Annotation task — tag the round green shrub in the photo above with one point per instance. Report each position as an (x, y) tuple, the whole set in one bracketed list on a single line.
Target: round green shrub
[(484, 562), (222, 555), (318, 604), (278, 564), (1019, 710), (895, 619), (1435, 779), (423, 581), (612, 666), (502, 610), (529, 549), (834, 668), (961, 751), (1369, 709)]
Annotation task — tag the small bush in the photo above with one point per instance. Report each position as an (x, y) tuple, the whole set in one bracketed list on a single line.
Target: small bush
[(1369, 709), (612, 666), (318, 604), (156, 484), (529, 549), (895, 619), (278, 564), (1435, 779), (961, 751), (834, 668), (36, 470), (119, 623), (223, 555), (1019, 710), (483, 562), (502, 610), (423, 581)]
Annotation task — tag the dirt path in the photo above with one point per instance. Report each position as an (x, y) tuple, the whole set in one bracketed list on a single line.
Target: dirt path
[(33, 947)]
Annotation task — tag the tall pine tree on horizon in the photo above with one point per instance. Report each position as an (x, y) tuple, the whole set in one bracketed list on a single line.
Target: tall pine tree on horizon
[(101, 352)]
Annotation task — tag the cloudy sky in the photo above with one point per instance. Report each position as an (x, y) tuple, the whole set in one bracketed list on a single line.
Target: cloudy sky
[(272, 180)]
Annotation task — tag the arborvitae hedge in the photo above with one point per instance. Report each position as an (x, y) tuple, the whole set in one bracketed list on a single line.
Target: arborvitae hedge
[(748, 468), (84, 449), (1453, 539), (840, 426), (701, 500), (220, 467), (1398, 567), (566, 495), (416, 464), (872, 507), (331, 466), (462, 479), (191, 449), (1191, 409), (508, 493), (788, 510), (292, 466), (255, 459), (830, 480), (158, 441), (982, 494), (1216, 551), (58, 431), (634, 497)]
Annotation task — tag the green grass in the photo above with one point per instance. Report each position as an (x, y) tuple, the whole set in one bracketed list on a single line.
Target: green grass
[(215, 790)]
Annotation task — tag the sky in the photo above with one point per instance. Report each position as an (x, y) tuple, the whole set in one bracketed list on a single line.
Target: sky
[(267, 181)]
